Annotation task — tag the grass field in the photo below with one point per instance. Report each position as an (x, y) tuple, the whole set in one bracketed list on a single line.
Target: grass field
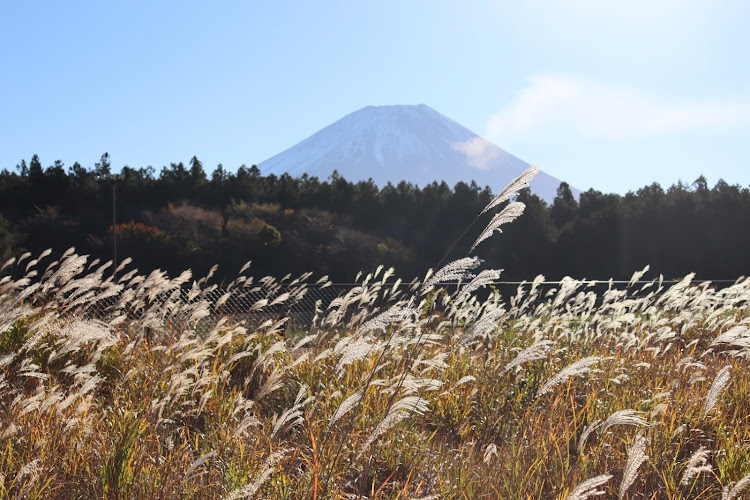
[(642, 392)]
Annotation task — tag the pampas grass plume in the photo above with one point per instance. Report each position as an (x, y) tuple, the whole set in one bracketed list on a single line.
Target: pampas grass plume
[(589, 488)]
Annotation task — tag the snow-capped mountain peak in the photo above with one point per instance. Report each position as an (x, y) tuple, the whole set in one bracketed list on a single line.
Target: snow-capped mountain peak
[(404, 142)]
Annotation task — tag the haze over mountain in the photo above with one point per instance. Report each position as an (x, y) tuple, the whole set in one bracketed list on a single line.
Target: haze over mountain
[(404, 142)]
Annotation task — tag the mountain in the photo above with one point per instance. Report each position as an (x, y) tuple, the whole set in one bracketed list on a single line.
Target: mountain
[(412, 143)]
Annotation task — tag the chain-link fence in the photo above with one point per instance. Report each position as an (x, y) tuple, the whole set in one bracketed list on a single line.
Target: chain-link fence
[(251, 306), (301, 303)]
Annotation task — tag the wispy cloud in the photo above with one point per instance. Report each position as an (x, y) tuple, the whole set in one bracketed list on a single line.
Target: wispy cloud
[(479, 152), (591, 108)]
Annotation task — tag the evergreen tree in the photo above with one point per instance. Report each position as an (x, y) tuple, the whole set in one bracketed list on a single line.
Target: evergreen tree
[(102, 168), (35, 169), (197, 174), (22, 168), (564, 207)]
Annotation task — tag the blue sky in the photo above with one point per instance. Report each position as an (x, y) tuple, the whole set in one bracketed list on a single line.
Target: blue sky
[(607, 94)]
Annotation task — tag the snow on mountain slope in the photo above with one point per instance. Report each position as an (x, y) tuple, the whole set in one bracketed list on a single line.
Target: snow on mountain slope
[(412, 143)]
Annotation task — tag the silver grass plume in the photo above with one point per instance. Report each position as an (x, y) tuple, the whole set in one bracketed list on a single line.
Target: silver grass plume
[(697, 463), (486, 277), (31, 469), (589, 488), (457, 270), (268, 469), (465, 380), (398, 412), (537, 350), (383, 320), (737, 336), (638, 275), (721, 380), (294, 415), (89, 385), (489, 452), (8, 263), (520, 182), (393, 418), (586, 433), (197, 463), (506, 215), (355, 351), (345, 406), (580, 367), (482, 326), (636, 457), (410, 384), (271, 384), (728, 494), (623, 417), (412, 404), (267, 358)]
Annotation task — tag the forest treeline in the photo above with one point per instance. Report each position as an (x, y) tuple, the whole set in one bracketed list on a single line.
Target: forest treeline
[(181, 217)]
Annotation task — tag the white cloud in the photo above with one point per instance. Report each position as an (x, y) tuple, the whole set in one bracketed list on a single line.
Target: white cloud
[(479, 152), (590, 108)]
